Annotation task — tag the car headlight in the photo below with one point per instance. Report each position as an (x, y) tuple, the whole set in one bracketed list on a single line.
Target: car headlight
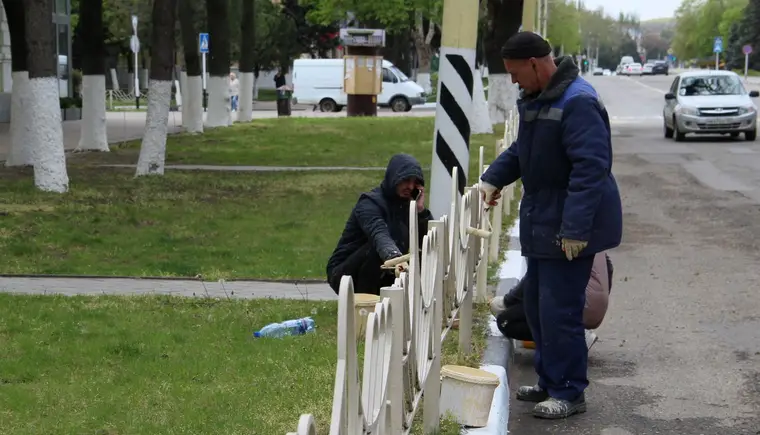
[(685, 110), (747, 109)]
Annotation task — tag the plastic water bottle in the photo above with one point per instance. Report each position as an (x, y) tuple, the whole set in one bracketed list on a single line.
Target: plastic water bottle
[(288, 327)]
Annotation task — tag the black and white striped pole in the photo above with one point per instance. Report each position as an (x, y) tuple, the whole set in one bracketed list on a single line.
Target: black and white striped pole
[(451, 140)]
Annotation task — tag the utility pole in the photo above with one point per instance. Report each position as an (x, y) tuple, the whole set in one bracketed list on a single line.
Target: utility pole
[(529, 16)]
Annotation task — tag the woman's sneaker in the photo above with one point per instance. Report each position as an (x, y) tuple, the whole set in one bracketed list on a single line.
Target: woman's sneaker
[(554, 409), (532, 393)]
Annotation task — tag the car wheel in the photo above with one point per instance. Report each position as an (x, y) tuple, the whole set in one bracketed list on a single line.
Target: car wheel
[(668, 130), (680, 137), (750, 135), (327, 105), (399, 104)]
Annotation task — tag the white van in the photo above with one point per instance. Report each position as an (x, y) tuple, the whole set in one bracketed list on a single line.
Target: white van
[(320, 82)]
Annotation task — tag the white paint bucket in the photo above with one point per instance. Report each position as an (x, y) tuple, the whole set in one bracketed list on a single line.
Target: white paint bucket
[(363, 305), (467, 393)]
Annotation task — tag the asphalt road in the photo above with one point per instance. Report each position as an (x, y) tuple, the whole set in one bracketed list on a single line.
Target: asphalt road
[(679, 350)]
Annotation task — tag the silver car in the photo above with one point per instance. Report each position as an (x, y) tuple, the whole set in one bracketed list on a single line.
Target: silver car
[(709, 102)]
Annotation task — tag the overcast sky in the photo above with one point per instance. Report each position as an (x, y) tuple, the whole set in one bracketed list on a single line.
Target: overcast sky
[(646, 9)]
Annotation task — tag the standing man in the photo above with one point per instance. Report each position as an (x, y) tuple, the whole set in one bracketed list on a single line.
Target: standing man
[(570, 211)]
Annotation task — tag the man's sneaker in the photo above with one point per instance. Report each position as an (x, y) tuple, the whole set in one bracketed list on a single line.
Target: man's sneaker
[(532, 393), (497, 306), (554, 409), (591, 338)]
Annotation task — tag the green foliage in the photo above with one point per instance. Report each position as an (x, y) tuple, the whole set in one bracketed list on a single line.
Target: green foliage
[(698, 22)]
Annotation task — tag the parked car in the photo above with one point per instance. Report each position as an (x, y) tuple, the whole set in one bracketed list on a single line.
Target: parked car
[(709, 102), (606, 72), (633, 69), (598, 71), (320, 82), (660, 68), (646, 70)]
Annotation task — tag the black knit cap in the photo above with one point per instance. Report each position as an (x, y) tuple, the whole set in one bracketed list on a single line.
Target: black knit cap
[(524, 45)]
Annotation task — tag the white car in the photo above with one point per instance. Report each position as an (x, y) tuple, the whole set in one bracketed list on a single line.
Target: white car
[(632, 69), (606, 72), (709, 102), (598, 71), (647, 69)]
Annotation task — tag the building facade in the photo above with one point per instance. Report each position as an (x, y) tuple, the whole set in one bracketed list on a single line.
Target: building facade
[(61, 25)]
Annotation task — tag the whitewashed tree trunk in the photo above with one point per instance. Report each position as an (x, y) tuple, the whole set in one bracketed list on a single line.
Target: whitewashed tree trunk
[(256, 87), (502, 96), (114, 80), (245, 114), (480, 121), (194, 103), (153, 148), (422, 43), (93, 128), (219, 109), (46, 136), (21, 146), (183, 88)]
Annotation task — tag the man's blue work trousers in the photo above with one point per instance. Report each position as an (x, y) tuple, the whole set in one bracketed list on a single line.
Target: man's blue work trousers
[(555, 295)]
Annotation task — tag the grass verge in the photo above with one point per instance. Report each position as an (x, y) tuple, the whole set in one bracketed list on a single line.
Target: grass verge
[(362, 142), (144, 365), (219, 225), (148, 365)]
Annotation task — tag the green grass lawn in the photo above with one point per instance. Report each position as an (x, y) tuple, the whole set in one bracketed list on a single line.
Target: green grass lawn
[(266, 225), (159, 365), (116, 365), (301, 142)]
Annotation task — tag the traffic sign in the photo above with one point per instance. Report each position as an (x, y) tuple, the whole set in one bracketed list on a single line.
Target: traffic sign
[(203, 42), (747, 49), (718, 45), (134, 44), (134, 23)]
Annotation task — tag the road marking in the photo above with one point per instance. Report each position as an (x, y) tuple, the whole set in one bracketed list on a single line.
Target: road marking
[(658, 90)]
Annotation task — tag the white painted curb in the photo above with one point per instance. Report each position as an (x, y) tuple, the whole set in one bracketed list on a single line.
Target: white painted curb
[(498, 417)]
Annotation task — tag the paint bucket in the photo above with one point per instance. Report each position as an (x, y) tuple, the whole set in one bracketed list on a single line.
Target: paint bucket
[(363, 305), (467, 393)]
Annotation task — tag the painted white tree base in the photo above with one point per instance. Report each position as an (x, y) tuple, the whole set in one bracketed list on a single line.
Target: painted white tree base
[(480, 122), (153, 147), (20, 153), (46, 135), (245, 102), (193, 118), (502, 96), (423, 79), (183, 88), (93, 128), (219, 109)]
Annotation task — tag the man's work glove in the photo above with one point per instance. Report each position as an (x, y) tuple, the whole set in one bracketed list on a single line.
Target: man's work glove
[(572, 248), (490, 193)]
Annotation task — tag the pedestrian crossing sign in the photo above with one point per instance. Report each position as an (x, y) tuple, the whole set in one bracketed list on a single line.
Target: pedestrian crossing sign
[(203, 42)]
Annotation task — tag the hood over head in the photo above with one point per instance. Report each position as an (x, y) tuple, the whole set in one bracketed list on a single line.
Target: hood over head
[(401, 167)]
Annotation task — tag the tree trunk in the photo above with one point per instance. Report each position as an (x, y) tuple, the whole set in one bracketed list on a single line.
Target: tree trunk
[(45, 131), (94, 132), (153, 148), (192, 113), (219, 109), (504, 19), (20, 151), (247, 61), (422, 42)]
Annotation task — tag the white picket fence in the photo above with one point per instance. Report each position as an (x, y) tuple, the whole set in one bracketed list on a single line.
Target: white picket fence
[(404, 334)]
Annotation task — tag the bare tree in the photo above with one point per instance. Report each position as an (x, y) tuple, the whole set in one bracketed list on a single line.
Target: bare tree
[(20, 153), (153, 148), (94, 131), (504, 19), (45, 131)]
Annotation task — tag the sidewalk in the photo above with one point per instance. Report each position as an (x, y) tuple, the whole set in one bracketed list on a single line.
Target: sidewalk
[(173, 287)]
